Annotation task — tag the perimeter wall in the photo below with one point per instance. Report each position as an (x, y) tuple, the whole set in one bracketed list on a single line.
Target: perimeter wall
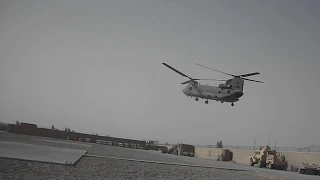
[(57, 134)]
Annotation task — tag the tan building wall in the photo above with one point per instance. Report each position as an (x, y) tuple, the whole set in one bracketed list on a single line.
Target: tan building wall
[(242, 156), (207, 153)]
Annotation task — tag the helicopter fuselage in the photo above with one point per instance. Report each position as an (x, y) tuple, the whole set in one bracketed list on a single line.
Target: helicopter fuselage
[(213, 93), (230, 91)]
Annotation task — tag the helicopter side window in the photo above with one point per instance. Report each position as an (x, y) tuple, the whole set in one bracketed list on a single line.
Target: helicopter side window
[(190, 88), (228, 91)]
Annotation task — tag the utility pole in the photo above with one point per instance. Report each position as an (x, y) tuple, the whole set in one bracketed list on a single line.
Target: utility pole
[(254, 144), (275, 143)]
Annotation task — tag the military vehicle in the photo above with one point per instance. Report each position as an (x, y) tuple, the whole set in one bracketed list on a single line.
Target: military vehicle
[(313, 169), (268, 158)]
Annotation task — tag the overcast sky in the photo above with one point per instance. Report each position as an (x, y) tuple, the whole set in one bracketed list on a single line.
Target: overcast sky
[(95, 66)]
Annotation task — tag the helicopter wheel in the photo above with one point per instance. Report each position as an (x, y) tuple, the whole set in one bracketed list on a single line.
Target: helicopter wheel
[(206, 101), (196, 99), (232, 104)]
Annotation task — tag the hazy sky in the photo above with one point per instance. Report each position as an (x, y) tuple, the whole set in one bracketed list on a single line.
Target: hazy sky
[(95, 66)]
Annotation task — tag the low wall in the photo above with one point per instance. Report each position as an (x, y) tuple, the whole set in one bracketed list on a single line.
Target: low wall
[(242, 156), (57, 134), (207, 153)]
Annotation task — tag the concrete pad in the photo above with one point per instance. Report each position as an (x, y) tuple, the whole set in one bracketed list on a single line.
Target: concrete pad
[(40, 153)]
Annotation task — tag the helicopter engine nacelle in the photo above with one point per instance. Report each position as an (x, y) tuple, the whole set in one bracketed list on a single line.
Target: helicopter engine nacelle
[(224, 86)]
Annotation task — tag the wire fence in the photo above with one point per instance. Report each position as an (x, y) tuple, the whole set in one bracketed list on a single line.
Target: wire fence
[(283, 149)]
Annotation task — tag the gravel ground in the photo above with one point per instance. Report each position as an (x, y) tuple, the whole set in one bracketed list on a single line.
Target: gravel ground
[(101, 168)]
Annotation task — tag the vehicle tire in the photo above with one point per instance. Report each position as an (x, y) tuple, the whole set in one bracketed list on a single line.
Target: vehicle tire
[(282, 158), (271, 166), (260, 164), (251, 162), (302, 171)]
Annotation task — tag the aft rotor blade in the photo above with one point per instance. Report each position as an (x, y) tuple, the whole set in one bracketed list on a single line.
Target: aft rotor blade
[(202, 79), (214, 69), (211, 79), (186, 82), (249, 74), (176, 71), (252, 80)]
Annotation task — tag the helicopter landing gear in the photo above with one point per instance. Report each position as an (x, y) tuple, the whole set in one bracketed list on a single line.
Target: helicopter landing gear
[(206, 101), (232, 104), (196, 99)]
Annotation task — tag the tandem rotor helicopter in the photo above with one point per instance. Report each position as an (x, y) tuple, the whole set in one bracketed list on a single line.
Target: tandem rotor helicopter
[(230, 91)]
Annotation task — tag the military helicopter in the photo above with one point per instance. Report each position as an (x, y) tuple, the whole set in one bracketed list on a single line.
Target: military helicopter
[(230, 91)]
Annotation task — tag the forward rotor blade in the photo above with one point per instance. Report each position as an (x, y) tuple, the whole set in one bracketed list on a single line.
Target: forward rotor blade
[(176, 71), (252, 80), (249, 74), (214, 69)]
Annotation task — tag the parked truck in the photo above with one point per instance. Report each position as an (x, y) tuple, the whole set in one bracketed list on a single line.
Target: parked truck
[(269, 158), (310, 169)]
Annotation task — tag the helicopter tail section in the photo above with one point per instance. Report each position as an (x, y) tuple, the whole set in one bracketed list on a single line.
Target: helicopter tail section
[(236, 83)]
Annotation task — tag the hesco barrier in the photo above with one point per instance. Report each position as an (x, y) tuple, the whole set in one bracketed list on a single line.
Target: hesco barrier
[(57, 134)]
